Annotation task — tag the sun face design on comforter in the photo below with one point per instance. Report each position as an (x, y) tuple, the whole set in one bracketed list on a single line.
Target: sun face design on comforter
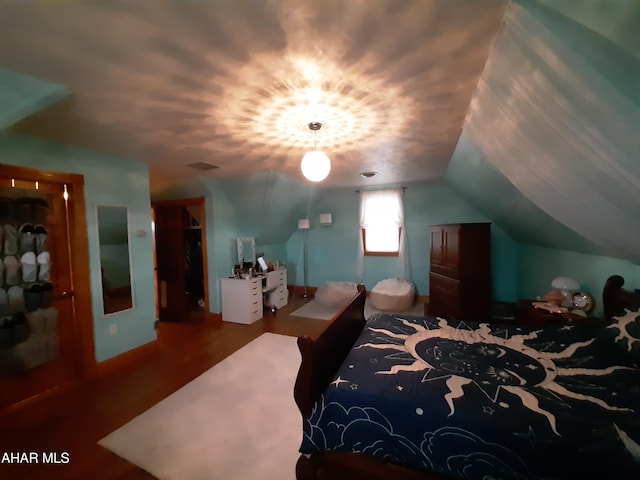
[(490, 363), (485, 401), (628, 327)]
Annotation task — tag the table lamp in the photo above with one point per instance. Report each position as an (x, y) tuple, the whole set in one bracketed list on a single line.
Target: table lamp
[(567, 286)]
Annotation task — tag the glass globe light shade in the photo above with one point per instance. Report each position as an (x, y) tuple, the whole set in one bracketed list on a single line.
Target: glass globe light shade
[(315, 166)]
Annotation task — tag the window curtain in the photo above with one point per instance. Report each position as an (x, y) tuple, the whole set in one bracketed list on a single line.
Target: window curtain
[(384, 206)]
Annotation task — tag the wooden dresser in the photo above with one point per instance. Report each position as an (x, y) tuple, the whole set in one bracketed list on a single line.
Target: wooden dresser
[(460, 271)]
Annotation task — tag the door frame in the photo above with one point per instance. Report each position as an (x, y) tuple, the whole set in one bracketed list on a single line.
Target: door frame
[(186, 202), (84, 346)]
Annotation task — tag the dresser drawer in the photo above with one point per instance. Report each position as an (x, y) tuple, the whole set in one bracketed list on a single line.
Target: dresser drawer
[(445, 296), (255, 310), (445, 285)]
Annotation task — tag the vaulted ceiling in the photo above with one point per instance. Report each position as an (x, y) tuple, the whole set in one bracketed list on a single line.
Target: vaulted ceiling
[(528, 108), (234, 83)]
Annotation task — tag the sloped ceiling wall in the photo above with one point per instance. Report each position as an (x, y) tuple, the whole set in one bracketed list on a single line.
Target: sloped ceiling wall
[(549, 147), (616, 20), (21, 95), (593, 63), (265, 205)]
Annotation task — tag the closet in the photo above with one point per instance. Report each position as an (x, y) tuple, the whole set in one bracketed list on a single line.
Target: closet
[(180, 258), (460, 271)]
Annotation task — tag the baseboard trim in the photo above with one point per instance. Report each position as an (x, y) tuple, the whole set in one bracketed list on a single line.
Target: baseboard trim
[(126, 359), (39, 400), (211, 317), (298, 291)]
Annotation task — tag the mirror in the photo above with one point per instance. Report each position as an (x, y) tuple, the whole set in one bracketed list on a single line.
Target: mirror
[(115, 264), (246, 250)]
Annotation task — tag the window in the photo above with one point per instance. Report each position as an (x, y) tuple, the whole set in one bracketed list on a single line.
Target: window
[(381, 219)]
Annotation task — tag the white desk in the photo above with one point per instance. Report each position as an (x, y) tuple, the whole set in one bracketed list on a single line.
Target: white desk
[(276, 286), (242, 298)]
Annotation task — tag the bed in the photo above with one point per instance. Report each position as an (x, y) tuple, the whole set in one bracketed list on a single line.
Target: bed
[(407, 397)]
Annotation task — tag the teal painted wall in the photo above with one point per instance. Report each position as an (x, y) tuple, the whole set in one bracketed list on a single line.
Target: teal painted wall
[(267, 205), (264, 206), (538, 266), (108, 181), (332, 250), (520, 270), (616, 20)]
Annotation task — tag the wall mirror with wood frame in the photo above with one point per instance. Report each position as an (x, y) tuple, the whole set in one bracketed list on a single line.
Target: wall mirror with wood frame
[(115, 261)]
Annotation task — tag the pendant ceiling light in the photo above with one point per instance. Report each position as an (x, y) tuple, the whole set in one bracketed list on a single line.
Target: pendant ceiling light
[(315, 165)]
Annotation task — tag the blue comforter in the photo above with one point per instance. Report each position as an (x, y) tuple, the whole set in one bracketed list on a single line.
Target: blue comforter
[(482, 401)]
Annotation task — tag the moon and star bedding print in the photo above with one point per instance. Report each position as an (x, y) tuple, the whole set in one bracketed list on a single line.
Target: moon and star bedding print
[(476, 401)]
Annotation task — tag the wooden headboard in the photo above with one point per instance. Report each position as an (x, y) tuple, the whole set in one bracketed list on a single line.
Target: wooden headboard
[(616, 299)]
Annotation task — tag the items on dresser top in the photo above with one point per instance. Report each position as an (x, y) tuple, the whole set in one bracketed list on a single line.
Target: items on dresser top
[(541, 313)]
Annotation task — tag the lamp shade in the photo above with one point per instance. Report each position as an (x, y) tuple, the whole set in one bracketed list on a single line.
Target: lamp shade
[(315, 166), (567, 287), (565, 283), (303, 224)]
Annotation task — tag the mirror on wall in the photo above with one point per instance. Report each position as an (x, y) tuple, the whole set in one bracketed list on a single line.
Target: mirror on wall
[(246, 250), (115, 262)]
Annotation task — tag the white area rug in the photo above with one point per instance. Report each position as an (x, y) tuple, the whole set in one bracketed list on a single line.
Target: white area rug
[(237, 420), (315, 309)]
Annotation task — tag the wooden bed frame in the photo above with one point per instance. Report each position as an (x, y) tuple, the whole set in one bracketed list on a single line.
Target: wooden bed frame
[(616, 299), (321, 359)]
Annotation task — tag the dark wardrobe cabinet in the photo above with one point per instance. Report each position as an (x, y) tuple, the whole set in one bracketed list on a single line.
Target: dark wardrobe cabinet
[(460, 271)]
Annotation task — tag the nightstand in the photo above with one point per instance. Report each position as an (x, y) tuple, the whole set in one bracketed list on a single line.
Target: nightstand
[(528, 314)]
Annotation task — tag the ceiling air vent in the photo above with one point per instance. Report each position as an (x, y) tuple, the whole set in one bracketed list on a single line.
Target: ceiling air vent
[(203, 166)]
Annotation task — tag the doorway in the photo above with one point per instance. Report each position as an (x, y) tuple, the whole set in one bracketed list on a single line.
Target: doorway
[(46, 337), (180, 259)]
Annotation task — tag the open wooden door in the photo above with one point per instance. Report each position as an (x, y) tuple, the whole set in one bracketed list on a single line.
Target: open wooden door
[(180, 258), (42, 343)]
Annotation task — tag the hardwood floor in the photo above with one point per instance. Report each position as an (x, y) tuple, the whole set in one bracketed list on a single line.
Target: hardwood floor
[(72, 420)]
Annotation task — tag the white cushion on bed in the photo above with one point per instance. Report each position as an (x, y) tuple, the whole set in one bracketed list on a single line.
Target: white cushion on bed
[(336, 294), (393, 294)]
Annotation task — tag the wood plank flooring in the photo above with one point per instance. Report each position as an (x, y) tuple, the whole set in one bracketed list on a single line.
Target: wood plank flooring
[(75, 418)]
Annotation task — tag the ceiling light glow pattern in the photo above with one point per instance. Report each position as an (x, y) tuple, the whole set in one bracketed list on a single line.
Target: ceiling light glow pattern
[(356, 111), (236, 83)]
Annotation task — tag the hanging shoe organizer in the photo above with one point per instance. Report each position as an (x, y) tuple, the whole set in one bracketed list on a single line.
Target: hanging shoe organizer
[(28, 322)]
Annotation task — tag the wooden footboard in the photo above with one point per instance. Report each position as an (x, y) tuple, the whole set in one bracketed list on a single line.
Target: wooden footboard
[(321, 359)]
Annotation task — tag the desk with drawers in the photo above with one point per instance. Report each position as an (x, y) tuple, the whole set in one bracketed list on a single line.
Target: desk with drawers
[(242, 299)]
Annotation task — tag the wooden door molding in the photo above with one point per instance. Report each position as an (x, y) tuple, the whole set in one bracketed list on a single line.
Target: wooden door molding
[(79, 257)]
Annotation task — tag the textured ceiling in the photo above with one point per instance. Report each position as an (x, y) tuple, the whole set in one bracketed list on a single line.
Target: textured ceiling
[(234, 83)]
